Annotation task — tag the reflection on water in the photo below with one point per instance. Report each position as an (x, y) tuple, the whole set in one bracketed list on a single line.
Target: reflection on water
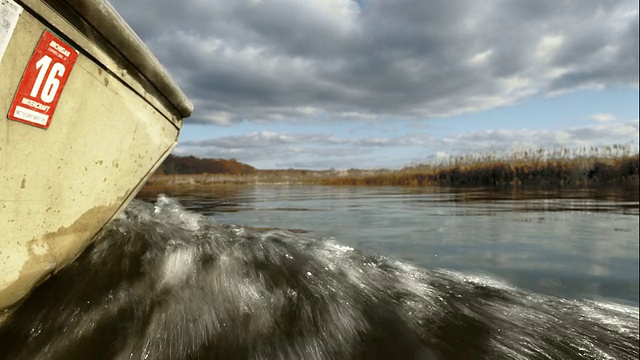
[(580, 243)]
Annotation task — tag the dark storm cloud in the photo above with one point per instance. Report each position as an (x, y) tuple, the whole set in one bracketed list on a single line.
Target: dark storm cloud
[(275, 60)]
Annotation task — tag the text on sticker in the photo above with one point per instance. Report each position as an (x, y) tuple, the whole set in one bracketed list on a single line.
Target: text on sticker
[(60, 48)]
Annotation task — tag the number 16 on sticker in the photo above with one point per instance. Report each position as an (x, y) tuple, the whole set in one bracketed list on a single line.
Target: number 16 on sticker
[(43, 81)]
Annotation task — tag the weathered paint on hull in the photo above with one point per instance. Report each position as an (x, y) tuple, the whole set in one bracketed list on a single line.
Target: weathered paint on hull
[(59, 186)]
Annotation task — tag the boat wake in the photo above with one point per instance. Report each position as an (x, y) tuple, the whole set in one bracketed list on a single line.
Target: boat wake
[(165, 283)]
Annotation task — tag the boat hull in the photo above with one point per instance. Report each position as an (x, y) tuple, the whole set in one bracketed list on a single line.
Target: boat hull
[(61, 184)]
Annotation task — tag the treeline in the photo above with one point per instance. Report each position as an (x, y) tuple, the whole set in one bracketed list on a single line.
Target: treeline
[(194, 165)]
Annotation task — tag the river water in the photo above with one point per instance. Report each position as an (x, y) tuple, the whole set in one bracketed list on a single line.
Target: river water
[(576, 243), (312, 272)]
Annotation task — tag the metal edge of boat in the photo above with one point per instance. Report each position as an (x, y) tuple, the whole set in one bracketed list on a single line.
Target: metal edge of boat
[(88, 113)]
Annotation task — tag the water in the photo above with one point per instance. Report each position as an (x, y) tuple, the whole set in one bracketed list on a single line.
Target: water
[(572, 243), (347, 273)]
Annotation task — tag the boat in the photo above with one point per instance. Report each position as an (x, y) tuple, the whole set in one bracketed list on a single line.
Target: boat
[(88, 113)]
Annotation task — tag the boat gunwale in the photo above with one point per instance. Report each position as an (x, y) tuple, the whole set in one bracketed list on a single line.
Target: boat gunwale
[(110, 25), (108, 22)]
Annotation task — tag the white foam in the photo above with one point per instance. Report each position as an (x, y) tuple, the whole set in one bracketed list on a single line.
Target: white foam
[(176, 266)]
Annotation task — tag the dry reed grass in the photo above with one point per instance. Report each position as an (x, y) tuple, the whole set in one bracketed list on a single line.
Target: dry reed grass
[(606, 165)]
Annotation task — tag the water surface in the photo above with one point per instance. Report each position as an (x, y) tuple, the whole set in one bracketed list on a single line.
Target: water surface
[(578, 243), (329, 273)]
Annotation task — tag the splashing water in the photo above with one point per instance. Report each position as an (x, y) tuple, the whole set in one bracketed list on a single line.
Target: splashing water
[(165, 283)]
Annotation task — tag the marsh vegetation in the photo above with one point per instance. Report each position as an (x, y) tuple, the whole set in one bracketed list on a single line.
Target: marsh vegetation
[(593, 166)]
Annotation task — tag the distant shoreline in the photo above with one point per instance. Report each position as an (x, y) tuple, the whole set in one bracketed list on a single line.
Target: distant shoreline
[(555, 173)]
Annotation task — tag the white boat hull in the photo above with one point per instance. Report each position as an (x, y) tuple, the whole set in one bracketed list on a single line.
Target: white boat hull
[(111, 128)]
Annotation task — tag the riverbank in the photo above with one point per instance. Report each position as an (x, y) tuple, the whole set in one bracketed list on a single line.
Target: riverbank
[(575, 172)]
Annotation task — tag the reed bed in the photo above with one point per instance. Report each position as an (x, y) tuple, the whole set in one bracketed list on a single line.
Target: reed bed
[(607, 165)]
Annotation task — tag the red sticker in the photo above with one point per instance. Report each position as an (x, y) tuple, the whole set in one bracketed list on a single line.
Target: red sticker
[(43, 81)]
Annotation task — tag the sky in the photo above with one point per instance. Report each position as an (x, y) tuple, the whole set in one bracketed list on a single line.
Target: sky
[(369, 84)]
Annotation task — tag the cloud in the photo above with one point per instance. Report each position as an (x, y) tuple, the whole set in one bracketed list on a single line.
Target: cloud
[(307, 150), (323, 60), (602, 134), (267, 149), (603, 117)]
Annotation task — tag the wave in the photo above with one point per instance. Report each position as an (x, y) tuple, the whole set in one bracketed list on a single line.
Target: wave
[(165, 283)]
